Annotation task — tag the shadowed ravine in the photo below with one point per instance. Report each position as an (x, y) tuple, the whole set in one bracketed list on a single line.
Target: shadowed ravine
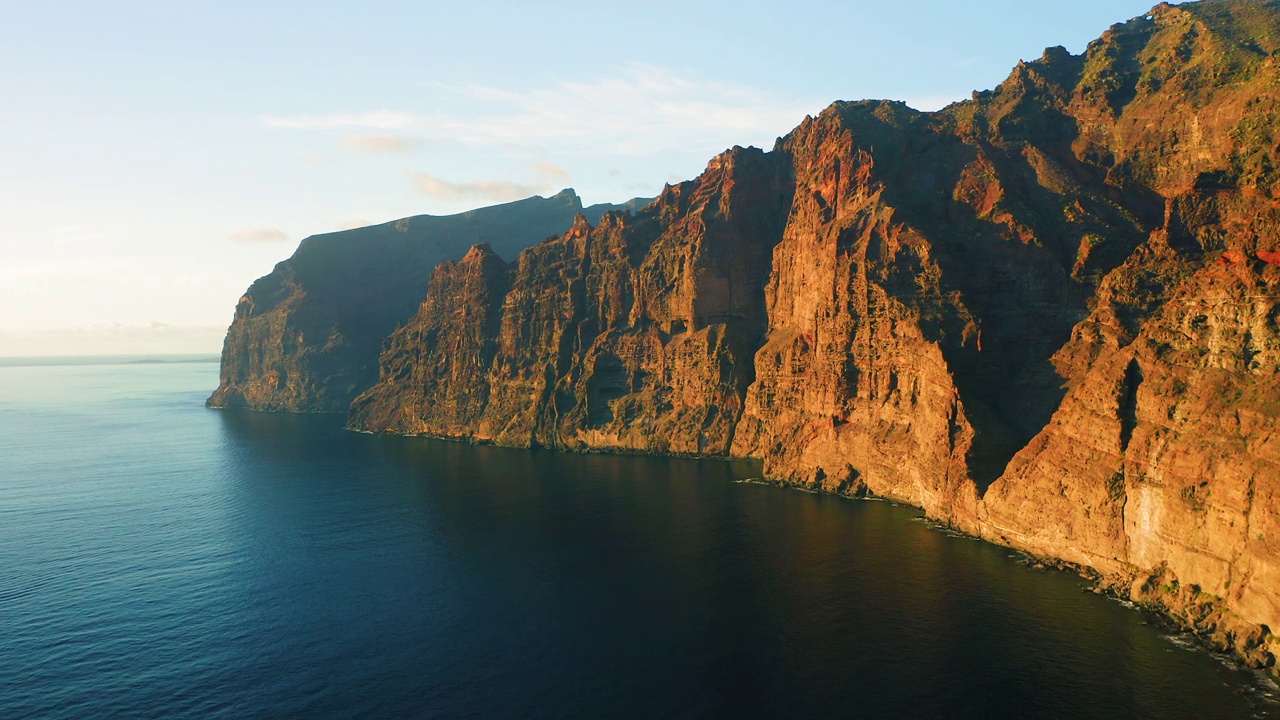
[(1049, 316)]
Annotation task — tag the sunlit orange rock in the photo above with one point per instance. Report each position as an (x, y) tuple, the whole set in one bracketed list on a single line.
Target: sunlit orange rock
[(1031, 313)]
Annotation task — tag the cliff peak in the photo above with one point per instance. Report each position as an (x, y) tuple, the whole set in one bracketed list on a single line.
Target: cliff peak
[(580, 227), (479, 252), (1056, 54), (568, 195)]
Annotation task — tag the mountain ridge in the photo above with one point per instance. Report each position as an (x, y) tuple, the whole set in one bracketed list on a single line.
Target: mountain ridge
[(306, 337), (1048, 315)]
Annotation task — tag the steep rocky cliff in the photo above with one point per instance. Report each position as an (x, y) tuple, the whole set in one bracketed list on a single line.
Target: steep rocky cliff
[(1047, 315), (636, 334), (306, 337)]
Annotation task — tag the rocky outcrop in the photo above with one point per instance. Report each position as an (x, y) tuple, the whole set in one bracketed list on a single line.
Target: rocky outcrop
[(306, 337), (1161, 462), (636, 334), (1049, 315), (436, 369)]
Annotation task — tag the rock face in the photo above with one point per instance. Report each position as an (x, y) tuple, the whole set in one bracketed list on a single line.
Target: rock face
[(306, 337), (636, 334), (1049, 315)]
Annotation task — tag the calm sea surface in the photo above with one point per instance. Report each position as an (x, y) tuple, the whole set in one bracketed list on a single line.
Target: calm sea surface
[(158, 559)]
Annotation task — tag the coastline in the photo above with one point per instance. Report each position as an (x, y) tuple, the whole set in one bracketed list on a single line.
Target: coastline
[(1223, 637)]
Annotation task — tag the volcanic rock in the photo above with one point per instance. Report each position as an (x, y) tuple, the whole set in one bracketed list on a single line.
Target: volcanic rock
[(306, 337), (1048, 315)]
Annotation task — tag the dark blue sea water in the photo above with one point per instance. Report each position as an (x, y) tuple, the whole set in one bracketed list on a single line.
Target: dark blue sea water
[(158, 559)]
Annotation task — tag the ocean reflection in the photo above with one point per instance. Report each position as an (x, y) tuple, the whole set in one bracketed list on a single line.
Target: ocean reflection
[(166, 560), (714, 597)]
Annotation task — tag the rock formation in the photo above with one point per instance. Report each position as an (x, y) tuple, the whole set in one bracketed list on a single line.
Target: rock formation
[(636, 334), (1048, 315), (306, 337)]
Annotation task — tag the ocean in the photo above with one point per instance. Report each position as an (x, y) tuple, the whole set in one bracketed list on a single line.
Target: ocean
[(162, 560)]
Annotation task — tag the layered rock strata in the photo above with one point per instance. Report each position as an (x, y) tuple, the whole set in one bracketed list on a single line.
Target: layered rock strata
[(636, 334), (1048, 315), (306, 337)]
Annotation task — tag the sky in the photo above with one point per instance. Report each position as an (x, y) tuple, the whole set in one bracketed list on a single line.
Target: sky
[(157, 157)]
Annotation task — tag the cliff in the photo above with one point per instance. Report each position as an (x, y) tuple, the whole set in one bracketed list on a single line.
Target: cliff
[(306, 337), (636, 334), (1048, 315)]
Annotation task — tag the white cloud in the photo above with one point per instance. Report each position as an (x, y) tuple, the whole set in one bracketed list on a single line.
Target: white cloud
[(491, 190), (552, 173), (256, 236), (550, 178), (380, 144), (639, 110), (372, 120), (353, 223)]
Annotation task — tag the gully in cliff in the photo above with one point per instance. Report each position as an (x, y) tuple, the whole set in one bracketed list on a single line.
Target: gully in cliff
[(1049, 316)]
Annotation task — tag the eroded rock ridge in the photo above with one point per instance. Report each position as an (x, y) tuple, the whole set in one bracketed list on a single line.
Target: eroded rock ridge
[(306, 337), (1048, 315)]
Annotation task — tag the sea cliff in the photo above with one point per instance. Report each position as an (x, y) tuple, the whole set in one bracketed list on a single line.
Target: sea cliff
[(1049, 316), (306, 337)]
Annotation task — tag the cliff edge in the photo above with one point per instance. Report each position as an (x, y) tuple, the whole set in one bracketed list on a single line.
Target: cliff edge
[(306, 337), (1048, 315)]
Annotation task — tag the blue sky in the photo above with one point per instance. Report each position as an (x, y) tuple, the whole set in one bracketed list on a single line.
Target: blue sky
[(155, 158)]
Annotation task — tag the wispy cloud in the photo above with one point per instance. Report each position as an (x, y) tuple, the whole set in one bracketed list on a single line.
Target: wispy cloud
[(493, 190), (380, 144), (640, 109), (550, 177), (549, 172), (256, 236), (637, 110), (371, 120)]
